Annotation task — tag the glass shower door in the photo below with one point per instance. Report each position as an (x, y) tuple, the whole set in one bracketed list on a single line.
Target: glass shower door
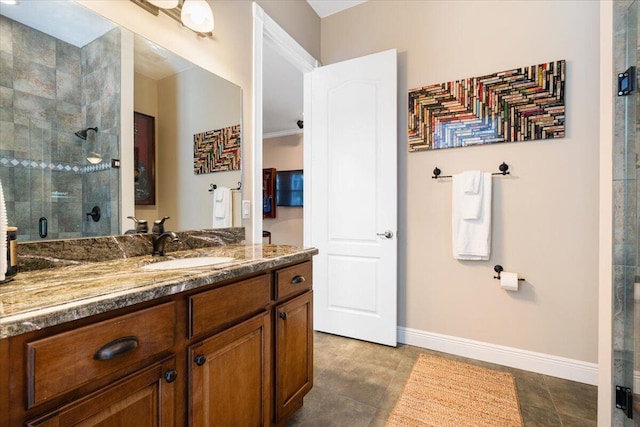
[(626, 174)]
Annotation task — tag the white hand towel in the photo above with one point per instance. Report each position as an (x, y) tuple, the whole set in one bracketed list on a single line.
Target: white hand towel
[(222, 207), (471, 181), (3, 236), (471, 237), (220, 202), (472, 194)]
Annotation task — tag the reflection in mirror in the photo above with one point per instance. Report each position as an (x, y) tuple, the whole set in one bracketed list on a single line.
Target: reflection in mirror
[(61, 113), (57, 80), (185, 101)]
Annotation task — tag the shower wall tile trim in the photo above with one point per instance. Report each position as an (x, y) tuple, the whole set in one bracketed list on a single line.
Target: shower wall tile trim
[(38, 164)]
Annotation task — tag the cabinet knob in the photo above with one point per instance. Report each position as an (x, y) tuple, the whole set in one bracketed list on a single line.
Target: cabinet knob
[(297, 279), (283, 315), (171, 375), (200, 359)]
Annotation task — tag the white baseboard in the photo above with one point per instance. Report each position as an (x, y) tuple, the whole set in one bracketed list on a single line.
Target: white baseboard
[(555, 366)]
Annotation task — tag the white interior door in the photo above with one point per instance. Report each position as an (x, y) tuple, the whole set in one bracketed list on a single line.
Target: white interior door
[(351, 202)]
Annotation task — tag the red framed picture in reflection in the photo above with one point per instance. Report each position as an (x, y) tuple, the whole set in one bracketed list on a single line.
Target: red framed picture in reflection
[(144, 173)]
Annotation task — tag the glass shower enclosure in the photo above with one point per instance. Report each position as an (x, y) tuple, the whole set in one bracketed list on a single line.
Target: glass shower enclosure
[(626, 189), (56, 173)]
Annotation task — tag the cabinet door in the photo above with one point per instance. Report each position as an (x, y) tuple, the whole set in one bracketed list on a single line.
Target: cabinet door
[(294, 354), (146, 398), (230, 377)]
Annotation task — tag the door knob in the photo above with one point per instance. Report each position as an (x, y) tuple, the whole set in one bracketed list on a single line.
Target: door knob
[(387, 234)]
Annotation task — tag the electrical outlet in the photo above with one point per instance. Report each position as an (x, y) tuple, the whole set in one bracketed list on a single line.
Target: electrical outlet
[(246, 209)]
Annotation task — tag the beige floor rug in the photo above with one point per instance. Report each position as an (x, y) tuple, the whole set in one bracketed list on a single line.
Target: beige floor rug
[(445, 393)]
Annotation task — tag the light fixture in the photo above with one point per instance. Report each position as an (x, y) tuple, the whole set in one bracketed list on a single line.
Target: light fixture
[(197, 15), (10, 2), (193, 14), (165, 4), (94, 158)]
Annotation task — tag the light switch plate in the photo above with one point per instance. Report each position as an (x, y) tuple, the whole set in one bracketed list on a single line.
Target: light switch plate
[(246, 209)]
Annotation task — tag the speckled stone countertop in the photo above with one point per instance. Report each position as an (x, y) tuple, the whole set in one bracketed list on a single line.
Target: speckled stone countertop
[(43, 298)]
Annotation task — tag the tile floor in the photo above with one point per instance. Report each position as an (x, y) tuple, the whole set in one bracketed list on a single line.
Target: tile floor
[(357, 384)]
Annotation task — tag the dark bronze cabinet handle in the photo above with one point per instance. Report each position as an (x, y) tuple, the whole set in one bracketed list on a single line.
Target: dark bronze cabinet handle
[(283, 315), (116, 348), (297, 279), (171, 375), (200, 359)]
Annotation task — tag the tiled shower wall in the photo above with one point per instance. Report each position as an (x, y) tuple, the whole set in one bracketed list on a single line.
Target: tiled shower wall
[(49, 90), (101, 75), (626, 174)]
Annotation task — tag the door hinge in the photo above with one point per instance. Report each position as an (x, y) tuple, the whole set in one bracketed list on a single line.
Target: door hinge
[(624, 400), (626, 81)]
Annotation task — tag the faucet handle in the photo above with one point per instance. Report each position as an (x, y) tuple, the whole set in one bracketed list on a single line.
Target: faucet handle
[(141, 224), (158, 225)]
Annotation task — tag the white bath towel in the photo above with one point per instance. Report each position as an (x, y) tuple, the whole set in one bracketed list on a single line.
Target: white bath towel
[(471, 237), (472, 194), (222, 207)]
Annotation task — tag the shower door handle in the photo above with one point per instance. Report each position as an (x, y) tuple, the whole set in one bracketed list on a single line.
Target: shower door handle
[(43, 227), (387, 234)]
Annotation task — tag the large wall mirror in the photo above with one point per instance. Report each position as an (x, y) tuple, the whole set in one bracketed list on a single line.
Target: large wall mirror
[(66, 75)]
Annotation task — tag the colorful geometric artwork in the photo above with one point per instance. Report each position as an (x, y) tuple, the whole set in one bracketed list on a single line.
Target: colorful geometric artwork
[(522, 104), (217, 150)]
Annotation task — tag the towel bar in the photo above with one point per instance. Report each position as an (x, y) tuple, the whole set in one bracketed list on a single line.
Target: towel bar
[(213, 187), (504, 170)]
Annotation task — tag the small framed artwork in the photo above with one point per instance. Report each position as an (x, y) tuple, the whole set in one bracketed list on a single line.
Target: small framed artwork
[(144, 173)]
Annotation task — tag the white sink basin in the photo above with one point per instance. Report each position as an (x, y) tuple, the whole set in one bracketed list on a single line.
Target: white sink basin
[(176, 264)]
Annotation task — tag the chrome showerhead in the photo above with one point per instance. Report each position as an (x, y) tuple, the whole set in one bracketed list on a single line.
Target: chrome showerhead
[(82, 134)]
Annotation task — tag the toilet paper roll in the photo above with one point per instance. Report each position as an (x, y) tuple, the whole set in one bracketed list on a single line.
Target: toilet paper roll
[(509, 281)]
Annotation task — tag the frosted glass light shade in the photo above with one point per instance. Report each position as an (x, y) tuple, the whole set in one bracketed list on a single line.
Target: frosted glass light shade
[(197, 15), (94, 158), (165, 4)]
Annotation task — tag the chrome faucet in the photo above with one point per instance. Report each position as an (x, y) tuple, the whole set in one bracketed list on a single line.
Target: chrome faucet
[(159, 236)]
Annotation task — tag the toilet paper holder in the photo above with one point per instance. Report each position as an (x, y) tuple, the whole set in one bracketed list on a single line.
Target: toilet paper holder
[(498, 269)]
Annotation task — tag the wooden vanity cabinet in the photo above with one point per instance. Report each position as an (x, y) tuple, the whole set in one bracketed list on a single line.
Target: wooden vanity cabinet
[(229, 376), (238, 353), (146, 398), (293, 339), (293, 354)]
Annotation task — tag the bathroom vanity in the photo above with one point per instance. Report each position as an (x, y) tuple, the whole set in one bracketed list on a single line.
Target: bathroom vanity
[(116, 342)]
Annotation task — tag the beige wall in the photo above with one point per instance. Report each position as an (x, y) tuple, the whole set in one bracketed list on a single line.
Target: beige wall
[(545, 215), (284, 153), (191, 102), (298, 19), (145, 101), (228, 54)]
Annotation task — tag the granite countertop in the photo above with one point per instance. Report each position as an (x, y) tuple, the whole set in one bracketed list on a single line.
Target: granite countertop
[(43, 298)]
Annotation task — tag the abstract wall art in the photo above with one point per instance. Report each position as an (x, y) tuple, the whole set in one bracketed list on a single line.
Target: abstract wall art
[(216, 150), (521, 104)]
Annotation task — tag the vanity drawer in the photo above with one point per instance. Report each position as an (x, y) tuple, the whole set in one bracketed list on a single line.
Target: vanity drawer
[(60, 363), (217, 307), (294, 279)]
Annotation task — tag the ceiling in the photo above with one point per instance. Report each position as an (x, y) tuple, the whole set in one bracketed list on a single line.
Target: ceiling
[(46, 16), (282, 95), (325, 8)]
